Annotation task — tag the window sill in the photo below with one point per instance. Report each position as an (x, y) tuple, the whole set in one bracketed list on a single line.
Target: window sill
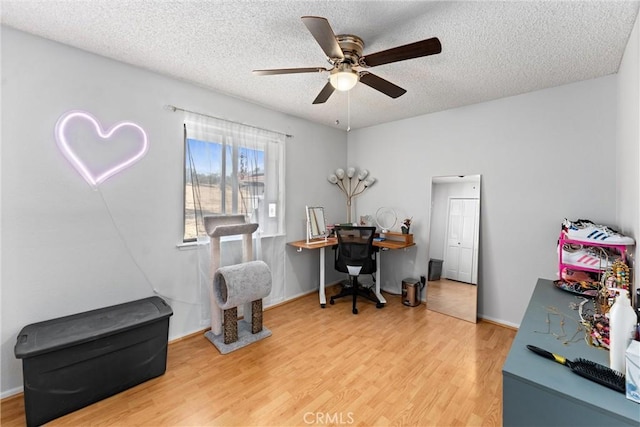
[(187, 246)]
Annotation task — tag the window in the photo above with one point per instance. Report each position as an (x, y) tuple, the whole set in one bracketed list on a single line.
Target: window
[(232, 169)]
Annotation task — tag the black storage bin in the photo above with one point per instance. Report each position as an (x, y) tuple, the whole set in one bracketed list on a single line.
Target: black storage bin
[(435, 269), (76, 360)]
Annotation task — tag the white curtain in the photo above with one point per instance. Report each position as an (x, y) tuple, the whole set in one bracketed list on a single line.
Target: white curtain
[(234, 168)]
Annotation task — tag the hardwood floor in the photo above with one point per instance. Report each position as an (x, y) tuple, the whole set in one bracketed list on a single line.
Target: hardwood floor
[(397, 365), (456, 299)]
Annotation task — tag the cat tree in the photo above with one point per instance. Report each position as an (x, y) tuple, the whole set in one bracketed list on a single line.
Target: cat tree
[(231, 286)]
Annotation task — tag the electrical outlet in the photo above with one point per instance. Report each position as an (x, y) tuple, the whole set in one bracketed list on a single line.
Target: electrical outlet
[(272, 210)]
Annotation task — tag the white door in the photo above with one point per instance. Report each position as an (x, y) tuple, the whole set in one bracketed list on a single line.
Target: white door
[(460, 255)]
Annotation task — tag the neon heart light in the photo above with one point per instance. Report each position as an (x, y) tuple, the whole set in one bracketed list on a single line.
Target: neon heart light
[(89, 176)]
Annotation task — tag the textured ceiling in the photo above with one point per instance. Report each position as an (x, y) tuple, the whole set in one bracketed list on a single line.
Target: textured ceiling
[(490, 49)]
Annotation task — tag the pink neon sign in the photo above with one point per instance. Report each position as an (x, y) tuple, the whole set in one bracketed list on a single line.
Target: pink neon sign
[(95, 178)]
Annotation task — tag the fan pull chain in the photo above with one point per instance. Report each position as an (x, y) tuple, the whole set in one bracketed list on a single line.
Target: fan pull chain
[(348, 111)]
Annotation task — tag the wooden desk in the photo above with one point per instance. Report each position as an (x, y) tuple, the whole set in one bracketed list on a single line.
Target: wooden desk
[(384, 245)]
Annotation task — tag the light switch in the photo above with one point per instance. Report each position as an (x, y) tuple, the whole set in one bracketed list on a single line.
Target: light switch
[(272, 210)]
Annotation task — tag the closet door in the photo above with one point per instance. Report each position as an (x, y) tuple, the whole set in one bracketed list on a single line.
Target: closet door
[(461, 245)]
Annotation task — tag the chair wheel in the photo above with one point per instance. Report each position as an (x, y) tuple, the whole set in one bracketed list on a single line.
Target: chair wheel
[(331, 301), (355, 311), (323, 305), (379, 305)]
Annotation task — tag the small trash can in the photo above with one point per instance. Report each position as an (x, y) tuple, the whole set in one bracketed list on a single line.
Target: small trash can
[(411, 292), (435, 269)]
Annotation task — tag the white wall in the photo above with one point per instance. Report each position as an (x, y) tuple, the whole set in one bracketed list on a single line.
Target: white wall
[(543, 156), (67, 248), (628, 140)]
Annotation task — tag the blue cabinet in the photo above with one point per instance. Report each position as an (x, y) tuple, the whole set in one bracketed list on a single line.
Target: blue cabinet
[(540, 392)]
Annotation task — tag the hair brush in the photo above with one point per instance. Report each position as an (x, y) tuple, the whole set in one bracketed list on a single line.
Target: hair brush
[(601, 374)]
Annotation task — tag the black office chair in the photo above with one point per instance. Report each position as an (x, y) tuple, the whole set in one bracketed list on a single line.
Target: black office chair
[(355, 255)]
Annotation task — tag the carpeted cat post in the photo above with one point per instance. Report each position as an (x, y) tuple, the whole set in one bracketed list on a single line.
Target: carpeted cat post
[(240, 284)]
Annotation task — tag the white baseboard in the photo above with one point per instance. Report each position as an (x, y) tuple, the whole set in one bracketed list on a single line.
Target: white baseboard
[(499, 321), (12, 392)]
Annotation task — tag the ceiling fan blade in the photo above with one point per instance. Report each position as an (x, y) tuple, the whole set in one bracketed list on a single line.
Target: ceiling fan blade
[(288, 71), (321, 30), (324, 94), (382, 85), (409, 51)]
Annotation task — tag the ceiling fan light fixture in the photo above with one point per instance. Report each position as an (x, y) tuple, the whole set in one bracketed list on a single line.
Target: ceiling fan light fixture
[(343, 78)]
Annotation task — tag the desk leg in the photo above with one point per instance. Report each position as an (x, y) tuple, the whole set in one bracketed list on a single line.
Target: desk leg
[(323, 298), (378, 294)]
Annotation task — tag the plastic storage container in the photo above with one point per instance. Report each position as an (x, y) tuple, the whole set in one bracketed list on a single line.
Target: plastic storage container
[(632, 374), (73, 361), (435, 269)]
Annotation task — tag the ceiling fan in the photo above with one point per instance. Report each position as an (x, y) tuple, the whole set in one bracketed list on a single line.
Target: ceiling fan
[(344, 53)]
